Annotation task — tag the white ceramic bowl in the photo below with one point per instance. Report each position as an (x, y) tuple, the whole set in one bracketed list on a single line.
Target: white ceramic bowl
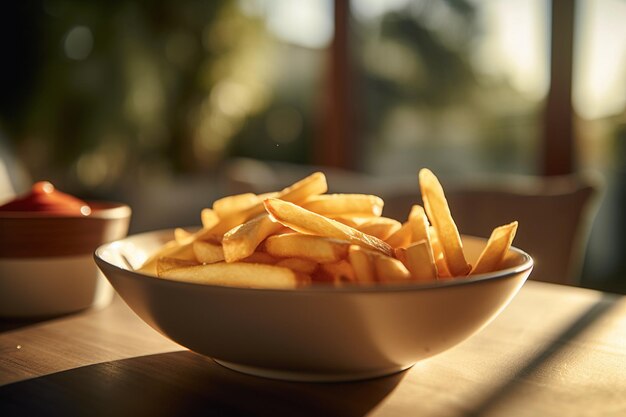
[(46, 262), (318, 333)]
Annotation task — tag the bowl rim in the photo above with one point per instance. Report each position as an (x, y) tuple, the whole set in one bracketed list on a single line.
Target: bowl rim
[(526, 265), (99, 210)]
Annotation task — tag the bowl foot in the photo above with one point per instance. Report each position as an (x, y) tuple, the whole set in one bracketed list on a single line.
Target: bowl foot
[(310, 376)]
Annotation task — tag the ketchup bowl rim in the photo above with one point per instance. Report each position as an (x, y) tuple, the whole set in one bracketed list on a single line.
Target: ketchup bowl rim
[(99, 209)]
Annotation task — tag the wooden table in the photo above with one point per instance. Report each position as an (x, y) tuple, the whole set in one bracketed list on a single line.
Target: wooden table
[(555, 351)]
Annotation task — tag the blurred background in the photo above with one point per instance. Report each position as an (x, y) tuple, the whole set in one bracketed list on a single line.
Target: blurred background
[(168, 105)]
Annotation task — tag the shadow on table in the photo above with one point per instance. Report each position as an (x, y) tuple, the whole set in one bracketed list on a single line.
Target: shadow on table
[(185, 384), (8, 324), (584, 320)]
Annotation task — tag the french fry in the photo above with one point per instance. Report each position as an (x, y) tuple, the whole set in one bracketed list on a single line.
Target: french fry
[(372, 266), (303, 279), (418, 256), (181, 252), (419, 260), (419, 224), (380, 227), (305, 221), (401, 237), (227, 206), (181, 235), (362, 264), (165, 264), (209, 218), (316, 248), (314, 184), (241, 241), (339, 272), (236, 274), (390, 269), (208, 252), (171, 249), (260, 258), (297, 192), (439, 214), (305, 266), (337, 204), (348, 220), (440, 262), (497, 247)]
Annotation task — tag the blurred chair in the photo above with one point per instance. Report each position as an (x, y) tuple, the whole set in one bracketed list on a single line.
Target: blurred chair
[(554, 214)]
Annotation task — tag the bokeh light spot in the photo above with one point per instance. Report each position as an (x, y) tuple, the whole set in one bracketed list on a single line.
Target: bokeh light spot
[(78, 43)]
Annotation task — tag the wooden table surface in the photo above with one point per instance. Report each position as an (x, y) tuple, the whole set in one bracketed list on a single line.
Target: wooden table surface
[(555, 351)]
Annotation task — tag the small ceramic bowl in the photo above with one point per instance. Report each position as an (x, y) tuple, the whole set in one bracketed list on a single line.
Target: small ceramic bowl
[(46, 262), (317, 333)]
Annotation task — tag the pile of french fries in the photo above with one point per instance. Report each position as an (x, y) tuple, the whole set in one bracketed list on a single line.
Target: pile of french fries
[(301, 236)]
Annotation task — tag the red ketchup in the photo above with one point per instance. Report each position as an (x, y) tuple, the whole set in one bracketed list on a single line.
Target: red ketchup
[(44, 198)]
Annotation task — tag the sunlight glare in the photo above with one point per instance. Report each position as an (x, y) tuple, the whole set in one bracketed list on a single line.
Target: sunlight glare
[(600, 59), (516, 44), (305, 23)]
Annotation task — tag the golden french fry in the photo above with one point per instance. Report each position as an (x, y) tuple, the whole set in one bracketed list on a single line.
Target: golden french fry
[(358, 221), (171, 249), (380, 227), (371, 266), (297, 192), (181, 235), (337, 204), (165, 264), (497, 247), (390, 269), (235, 274), (362, 264), (440, 262), (305, 266), (227, 206), (314, 184), (208, 252), (260, 258), (419, 260), (303, 279), (419, 224), (283, 230), (348, 220), (209, 218), (340, 272), (317, 248), (181, 252), (401, 237), (305, 221), (439, 214), (241, 241)]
